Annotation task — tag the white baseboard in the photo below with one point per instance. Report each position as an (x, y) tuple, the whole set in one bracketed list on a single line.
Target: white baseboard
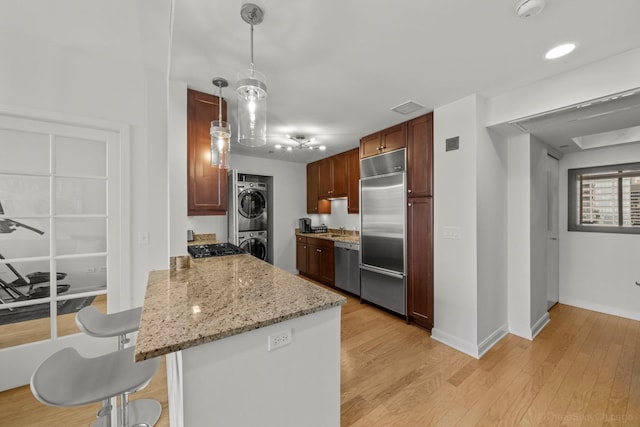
[(527, 332), (614, 311), (539, 325), (475, 351), (492, 340)]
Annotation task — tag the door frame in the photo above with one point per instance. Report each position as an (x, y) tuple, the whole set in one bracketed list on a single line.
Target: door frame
[(24, 358)]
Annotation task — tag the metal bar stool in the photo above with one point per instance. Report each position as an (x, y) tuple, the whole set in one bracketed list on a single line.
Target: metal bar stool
[(68, 379), (96, 324)]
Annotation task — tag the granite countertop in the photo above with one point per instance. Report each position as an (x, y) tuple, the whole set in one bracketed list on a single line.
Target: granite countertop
[(203, 239), (219, 297), (335, 235)]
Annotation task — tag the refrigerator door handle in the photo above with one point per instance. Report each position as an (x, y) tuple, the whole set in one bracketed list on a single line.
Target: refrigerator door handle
[(381, 271)]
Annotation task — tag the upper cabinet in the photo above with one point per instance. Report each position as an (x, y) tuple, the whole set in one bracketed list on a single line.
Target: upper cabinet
[(386, 140), (420, 156), (353, 184), (207, 185), (314, 204), (333, 177)]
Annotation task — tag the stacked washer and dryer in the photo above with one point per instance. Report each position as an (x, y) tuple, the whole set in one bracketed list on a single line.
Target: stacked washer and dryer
[(248, 219)]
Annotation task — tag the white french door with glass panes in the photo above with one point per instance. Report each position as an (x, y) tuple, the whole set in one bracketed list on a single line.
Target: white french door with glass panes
[(62, 243)]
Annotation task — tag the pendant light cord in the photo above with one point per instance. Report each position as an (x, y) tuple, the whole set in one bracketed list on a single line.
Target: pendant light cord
[(220, 103), (251, 46)]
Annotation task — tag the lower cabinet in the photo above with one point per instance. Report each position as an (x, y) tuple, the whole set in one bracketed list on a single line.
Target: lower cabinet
[(301, 254), (315, 259), (420, 261)]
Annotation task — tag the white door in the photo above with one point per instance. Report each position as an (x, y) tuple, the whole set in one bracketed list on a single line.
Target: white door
[(553, 251), (61, 242)]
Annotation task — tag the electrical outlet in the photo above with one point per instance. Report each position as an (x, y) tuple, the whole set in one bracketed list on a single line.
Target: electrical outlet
[(102, 269), (279, 340), (90, 270)]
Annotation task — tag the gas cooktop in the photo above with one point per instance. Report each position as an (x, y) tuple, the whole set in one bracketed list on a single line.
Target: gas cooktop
[(216, 249)]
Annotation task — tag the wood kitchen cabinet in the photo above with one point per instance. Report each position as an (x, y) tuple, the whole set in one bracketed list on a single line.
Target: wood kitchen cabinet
[(420, 261), (315, 259), (332, 173), (301, 254), (386, 140), (420, 220), (206, 184), (353, 181), (420, 156), (314, 204)]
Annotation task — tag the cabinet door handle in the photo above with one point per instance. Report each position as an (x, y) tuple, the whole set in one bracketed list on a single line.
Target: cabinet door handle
[(409, 204), (409, 191)]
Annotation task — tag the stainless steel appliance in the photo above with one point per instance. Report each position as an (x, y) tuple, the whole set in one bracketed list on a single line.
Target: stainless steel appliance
[(254, 243), (214, 249), (304, 224), (252, 206), (347, 267), (383, 231)]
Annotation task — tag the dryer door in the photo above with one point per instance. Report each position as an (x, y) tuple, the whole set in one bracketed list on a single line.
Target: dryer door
[(251, 203), (252, 209)]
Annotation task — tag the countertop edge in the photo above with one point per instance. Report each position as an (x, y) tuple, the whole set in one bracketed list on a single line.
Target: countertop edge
[(141, 356)]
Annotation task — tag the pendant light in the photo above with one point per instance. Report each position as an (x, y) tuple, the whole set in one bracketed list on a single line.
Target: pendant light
[(252, 92), (220, 132)]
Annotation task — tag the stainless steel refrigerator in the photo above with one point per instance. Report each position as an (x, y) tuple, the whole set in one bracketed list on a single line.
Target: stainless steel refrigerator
[(383, 231)]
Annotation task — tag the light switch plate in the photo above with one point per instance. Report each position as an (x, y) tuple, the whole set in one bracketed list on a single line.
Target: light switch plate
[(449, 232)]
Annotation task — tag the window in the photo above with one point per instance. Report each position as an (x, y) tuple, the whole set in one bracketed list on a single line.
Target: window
[(605, 199)]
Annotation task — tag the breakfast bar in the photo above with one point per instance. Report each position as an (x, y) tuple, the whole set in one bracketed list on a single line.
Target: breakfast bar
[(246, 343)]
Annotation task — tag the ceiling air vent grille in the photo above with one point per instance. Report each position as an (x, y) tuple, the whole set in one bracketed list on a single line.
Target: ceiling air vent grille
[(407, 107)]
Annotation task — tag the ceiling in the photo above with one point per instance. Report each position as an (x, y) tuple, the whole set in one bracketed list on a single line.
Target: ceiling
[(335, 68)]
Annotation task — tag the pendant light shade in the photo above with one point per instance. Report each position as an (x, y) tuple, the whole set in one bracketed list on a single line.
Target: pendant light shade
[(252, 92), (220, 132)]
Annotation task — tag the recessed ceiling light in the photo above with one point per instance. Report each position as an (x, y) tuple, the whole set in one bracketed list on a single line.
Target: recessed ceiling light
[(278, 146), (560, 50)]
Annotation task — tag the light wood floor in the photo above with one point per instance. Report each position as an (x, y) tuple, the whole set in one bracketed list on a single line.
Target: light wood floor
[(582, 370)]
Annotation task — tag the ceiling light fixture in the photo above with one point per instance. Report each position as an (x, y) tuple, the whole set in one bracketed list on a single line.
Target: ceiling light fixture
[(560, 50), (220, 132), (303, 142), (252, 91)]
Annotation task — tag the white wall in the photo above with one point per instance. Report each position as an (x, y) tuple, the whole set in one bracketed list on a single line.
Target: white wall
[(339, 217), (492, 233), (455, 260), (40, 74), (519, 270), (598, 271)]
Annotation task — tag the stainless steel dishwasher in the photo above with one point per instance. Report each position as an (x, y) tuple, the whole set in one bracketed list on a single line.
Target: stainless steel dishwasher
[(347, 267)]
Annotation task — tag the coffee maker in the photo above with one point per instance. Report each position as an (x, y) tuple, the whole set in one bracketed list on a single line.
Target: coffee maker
[(304, 224)]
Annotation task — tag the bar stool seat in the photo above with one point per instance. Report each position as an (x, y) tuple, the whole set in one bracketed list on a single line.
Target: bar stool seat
[(68, 379), (96, 324)]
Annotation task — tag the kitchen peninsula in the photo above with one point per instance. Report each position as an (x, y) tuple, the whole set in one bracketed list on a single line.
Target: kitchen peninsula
[(215, 322)]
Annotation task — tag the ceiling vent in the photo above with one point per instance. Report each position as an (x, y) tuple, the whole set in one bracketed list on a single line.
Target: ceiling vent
[(616, 103), (407, 107)]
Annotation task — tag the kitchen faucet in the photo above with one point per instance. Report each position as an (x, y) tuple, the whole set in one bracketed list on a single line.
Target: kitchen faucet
[(341, 230)]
